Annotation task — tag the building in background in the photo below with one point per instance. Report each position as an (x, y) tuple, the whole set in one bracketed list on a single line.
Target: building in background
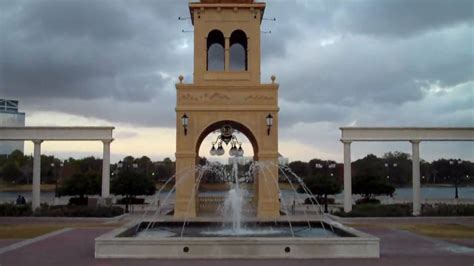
[(10, 117)]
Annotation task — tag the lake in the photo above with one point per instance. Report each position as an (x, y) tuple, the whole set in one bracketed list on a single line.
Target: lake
[(401, 194)]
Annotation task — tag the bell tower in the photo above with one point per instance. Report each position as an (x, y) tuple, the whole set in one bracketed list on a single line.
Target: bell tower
[(227, 41), (226, 91)]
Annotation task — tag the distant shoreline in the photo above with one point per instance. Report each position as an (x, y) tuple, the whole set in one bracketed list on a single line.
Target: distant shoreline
[(26, 188), (436, 185), (205, 187)]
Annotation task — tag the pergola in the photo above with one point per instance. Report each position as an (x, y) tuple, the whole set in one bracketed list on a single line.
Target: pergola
[(39, 134), (414, 135)]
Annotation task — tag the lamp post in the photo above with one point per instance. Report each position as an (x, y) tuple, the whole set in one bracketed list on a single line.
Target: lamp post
[(185, 122), (55, 172), (434, 175), (55, 180), (269, 120), (387, 166), (330, 166), (456, 179)]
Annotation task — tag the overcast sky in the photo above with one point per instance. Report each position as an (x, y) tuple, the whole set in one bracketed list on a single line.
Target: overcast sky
[(339, 63)]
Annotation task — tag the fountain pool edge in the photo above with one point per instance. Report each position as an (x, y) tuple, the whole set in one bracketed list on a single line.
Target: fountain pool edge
[(360, 245)]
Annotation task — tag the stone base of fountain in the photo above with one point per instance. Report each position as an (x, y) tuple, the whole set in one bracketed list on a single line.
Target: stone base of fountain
[(123, 243)]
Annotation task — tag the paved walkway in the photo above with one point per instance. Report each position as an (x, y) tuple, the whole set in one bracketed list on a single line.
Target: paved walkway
[(76, 247), (8, 242)]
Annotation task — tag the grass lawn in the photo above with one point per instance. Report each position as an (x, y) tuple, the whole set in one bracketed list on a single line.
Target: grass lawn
[(25, 231), (444, 231), (25, 187)]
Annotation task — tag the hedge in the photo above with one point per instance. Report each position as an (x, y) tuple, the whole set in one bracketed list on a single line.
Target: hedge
[(404, 210), (8, 209)]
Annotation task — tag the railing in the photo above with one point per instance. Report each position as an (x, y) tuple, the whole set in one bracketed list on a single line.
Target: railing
[(214, 204)]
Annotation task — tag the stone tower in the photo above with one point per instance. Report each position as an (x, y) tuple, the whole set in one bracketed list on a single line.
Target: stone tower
[(226, 90)]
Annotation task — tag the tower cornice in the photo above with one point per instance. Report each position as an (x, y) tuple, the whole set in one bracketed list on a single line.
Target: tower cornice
[(202, 6)]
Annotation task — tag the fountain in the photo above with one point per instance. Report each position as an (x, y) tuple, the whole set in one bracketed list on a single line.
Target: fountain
[(234, 201), (232, 235), (228, 101), (233, 205)]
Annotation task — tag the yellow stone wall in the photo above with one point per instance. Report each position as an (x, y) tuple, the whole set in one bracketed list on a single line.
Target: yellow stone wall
[(227, 96)]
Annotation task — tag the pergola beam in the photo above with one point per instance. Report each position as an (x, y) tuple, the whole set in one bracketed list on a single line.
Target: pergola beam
[(412, 134), (56, 133), (40, 134), (407, 133)]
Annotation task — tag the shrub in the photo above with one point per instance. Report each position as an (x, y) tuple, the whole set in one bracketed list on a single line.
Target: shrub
[(367, 200), (81, 185), (378, 210), (78, 201), (9, 209), (371, 186), (131, 201), (78, 211), (130, 184), (322, 186), (447, 210), (312, 200)]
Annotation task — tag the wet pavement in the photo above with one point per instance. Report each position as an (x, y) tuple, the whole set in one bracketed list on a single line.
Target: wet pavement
[(8, 242), (397, 247), (76, 247)]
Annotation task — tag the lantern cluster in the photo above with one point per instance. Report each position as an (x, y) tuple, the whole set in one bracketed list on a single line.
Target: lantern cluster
[(227, 137)]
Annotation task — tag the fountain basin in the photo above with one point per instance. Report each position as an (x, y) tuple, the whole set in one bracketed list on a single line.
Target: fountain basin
[(124, 242)]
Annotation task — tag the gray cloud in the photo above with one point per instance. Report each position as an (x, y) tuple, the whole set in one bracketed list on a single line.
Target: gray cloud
[(85, 49), (358, 69), (402, 17), (100, 20), (336, 61)]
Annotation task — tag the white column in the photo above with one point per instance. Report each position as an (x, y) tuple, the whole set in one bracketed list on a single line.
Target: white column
[(415, 146), (106, 169), (347, 177), (36, 174)]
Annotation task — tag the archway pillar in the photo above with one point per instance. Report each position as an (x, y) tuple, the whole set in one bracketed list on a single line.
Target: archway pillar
[(227, 54), (185, 206), (267, 188)]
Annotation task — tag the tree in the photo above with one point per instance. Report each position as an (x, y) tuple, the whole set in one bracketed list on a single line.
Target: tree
[(130, 184), (145, 165), (322, 186), (11, 172), (370, 186), (12, 167), (165, 169), (90, 165), (80, 185), (397, 166), (370, 165), (128, 162), (299, 168), (49, 169), (17, 157)]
